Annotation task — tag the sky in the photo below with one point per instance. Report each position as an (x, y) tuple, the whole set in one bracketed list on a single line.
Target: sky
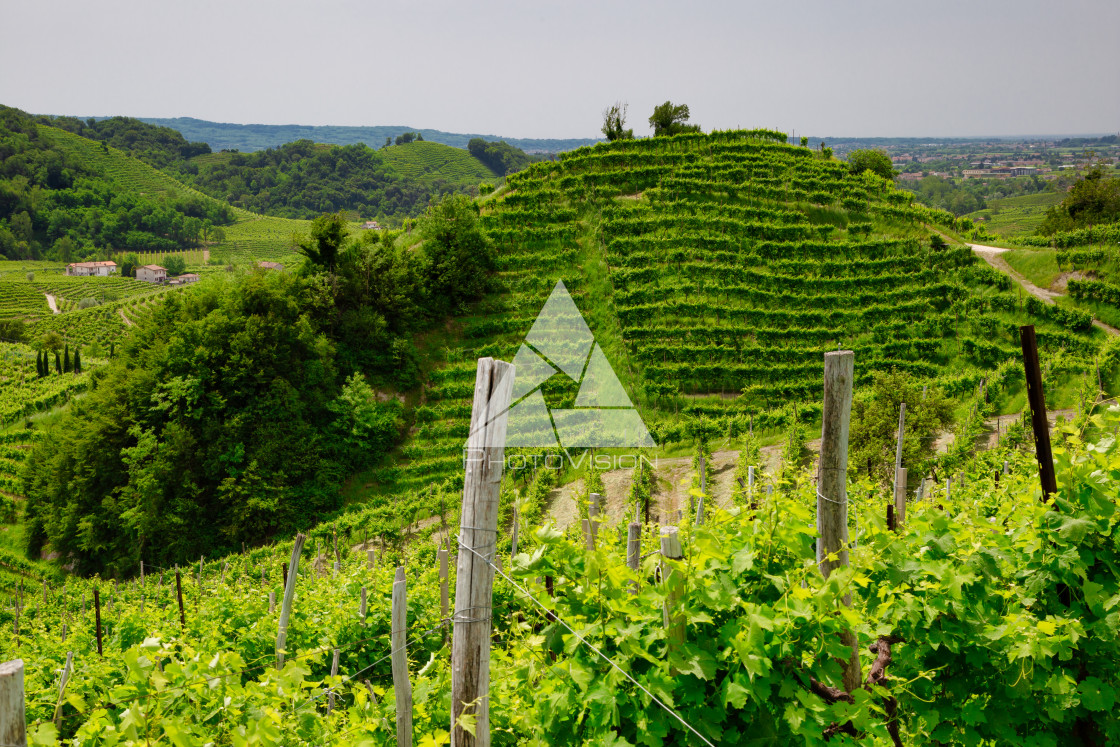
[(548, 69)]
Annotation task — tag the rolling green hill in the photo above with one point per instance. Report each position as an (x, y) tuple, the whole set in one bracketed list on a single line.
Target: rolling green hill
[(714, 271), (427, 161)]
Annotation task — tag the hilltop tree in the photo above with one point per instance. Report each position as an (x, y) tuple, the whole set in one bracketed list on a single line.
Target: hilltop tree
[(875, 161), (405, 138), (668, 119), (614, 123)]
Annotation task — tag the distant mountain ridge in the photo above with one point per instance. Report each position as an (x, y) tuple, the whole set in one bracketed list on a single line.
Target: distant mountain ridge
[(253, 137)]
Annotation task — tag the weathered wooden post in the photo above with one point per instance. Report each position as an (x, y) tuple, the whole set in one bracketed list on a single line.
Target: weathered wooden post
[(66, 669), (334, 673), (832, 490), (900, 496), (898, 454), (97, 618), (674, 586), (179, 595), (588, 537), (1038, 412), (594, 508), (478, 531), (398, 641), (286, 605), (634, 549), (13, 718), (271, 602), (513, 535)]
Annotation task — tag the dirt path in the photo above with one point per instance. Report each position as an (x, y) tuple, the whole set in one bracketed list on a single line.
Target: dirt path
[(51, 303), (126, 319), (991, 255)]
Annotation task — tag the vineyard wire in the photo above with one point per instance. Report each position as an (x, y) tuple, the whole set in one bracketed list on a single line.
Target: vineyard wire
[(419, 637), (587, 643)]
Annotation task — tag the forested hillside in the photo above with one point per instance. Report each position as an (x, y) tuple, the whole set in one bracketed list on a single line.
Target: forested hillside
[(56, 203)]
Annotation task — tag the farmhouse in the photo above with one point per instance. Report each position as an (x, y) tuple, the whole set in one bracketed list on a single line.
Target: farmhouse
[(101, 269), (188, 277), (270, 266), (371, 225), (151, 273)]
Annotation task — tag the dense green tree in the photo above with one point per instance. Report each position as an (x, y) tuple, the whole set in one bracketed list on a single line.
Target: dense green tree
[(66, 360), (875, 161), (499, 157), (1092, 200), (322, 247), (77, 360), (175, 264), (225, 419), (129, 264), (39, 363), (64, 249), (874, 428), (670, 119), (405, 138), (614, 123), (13, 330), (57, 363), (459, 256)]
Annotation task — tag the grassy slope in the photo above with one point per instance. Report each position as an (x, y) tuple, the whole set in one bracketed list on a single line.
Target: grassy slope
[(427, 162), (1016, 216)]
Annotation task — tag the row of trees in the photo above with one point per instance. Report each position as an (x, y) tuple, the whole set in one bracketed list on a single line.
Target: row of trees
[(61, 363), (667, 119)]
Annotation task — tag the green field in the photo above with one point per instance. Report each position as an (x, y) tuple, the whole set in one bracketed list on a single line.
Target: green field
[(1016, 216), (427, 162)]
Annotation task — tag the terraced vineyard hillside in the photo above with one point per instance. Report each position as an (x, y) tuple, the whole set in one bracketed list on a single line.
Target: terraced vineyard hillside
[(426, 162), (714, 271)]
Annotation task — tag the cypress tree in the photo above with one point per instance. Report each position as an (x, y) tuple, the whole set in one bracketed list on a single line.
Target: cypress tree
[(66, 360), (39, 363), (77, 360), (111, 346), (57, 362)]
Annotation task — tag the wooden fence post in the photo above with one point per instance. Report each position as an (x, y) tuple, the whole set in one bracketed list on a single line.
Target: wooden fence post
[(900, 497), (66, 669), (97, 617), (398, 641), (13, 718), (513, 535), (1038, 412), (179, 595), (898, 454), (289, 595), (594, 509), (478, 531), (832, 483), (588, 537), (634, 549), (334, 673), (362, 602), (271, 602), (674, 583)]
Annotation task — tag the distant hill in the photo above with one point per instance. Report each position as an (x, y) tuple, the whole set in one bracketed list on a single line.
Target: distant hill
[(253, 137), (426, 162)]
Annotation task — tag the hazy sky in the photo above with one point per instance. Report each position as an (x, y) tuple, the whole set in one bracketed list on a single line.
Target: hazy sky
[(548, 69)]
